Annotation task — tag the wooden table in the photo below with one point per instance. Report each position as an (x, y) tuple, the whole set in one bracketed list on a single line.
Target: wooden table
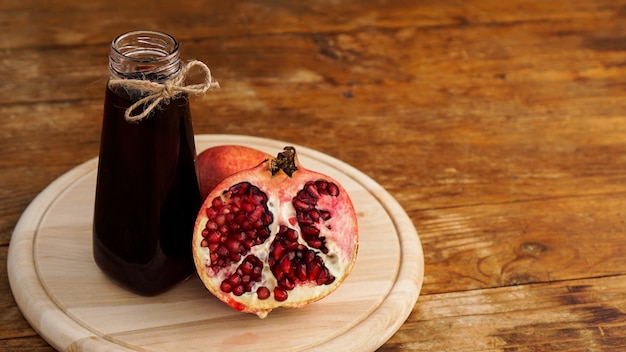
[(499, 126)]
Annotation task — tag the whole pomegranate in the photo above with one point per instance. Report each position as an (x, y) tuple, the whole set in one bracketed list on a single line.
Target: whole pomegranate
[(276, 235), (215, 163)]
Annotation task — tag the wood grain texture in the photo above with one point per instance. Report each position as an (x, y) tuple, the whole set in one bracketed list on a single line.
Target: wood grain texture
[(497, 125), (11, 320), (573, 315), (511, 249)]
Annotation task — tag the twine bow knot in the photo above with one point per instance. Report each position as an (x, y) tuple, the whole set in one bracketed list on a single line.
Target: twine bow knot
[(159, 92)]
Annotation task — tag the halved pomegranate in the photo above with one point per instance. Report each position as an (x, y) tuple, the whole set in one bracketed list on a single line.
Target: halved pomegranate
[(215, 163), (276, 235)]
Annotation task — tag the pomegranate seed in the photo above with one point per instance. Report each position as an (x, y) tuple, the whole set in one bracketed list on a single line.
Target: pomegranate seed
[(234, 280), (315, 243), (308, 256), (248, 286), (240, 188), (226, 287), (222, 252), (233, 245), (313, 269), (246, 267), (285, 265), (263, 234), (321, 187), (214, 237), (255, 214), (277, 252), (286, 283), (333, 190), (263, 292), (216, 203), (301, 272), (315, 216), (210, 213), (249, 207), (238, 290), (307, 198), (303, 219), (309, 231), (280, 294), (300, 205), (312, 190), (324, 277), (238, 236), (292, 235)]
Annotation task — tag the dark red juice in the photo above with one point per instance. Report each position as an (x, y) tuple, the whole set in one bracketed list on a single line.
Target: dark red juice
[(147, 195)]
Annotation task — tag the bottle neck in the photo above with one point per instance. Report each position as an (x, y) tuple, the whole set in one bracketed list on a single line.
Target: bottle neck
[(145, 55)]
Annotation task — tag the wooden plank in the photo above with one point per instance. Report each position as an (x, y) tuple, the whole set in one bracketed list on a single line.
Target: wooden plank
[(31, 344), (473, 51), (12, 322), (201, 19), (495, 245), (575, 315)]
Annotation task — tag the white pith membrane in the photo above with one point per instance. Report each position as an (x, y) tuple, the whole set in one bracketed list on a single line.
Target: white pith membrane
[(341, 242)]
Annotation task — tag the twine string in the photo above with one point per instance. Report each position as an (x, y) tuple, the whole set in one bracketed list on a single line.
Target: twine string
[(159, 92)]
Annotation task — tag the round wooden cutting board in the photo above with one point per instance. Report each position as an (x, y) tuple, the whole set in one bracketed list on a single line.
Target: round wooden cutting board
[(66, 298)]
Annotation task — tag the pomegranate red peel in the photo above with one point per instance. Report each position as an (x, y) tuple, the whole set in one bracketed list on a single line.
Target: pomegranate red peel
[(276, 235), (217, 162)]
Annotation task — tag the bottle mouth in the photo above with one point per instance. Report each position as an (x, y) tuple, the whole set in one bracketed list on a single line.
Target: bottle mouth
[(145, 54)]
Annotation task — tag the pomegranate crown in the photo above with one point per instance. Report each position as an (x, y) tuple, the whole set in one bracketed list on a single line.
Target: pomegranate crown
[(285, 161)]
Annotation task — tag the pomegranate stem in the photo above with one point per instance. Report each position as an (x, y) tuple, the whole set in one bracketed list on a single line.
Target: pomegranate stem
[(285, 161)]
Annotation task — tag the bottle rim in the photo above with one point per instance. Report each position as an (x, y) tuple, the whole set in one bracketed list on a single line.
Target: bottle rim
[(146, 54)]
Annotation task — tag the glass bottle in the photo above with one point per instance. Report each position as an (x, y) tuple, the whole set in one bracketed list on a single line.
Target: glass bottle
[(147, 193)]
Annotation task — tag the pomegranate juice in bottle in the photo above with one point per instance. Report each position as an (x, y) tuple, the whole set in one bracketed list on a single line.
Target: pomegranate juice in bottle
[(147, 193)]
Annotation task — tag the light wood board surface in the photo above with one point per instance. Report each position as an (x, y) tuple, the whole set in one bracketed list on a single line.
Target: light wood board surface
[(75, 307)]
